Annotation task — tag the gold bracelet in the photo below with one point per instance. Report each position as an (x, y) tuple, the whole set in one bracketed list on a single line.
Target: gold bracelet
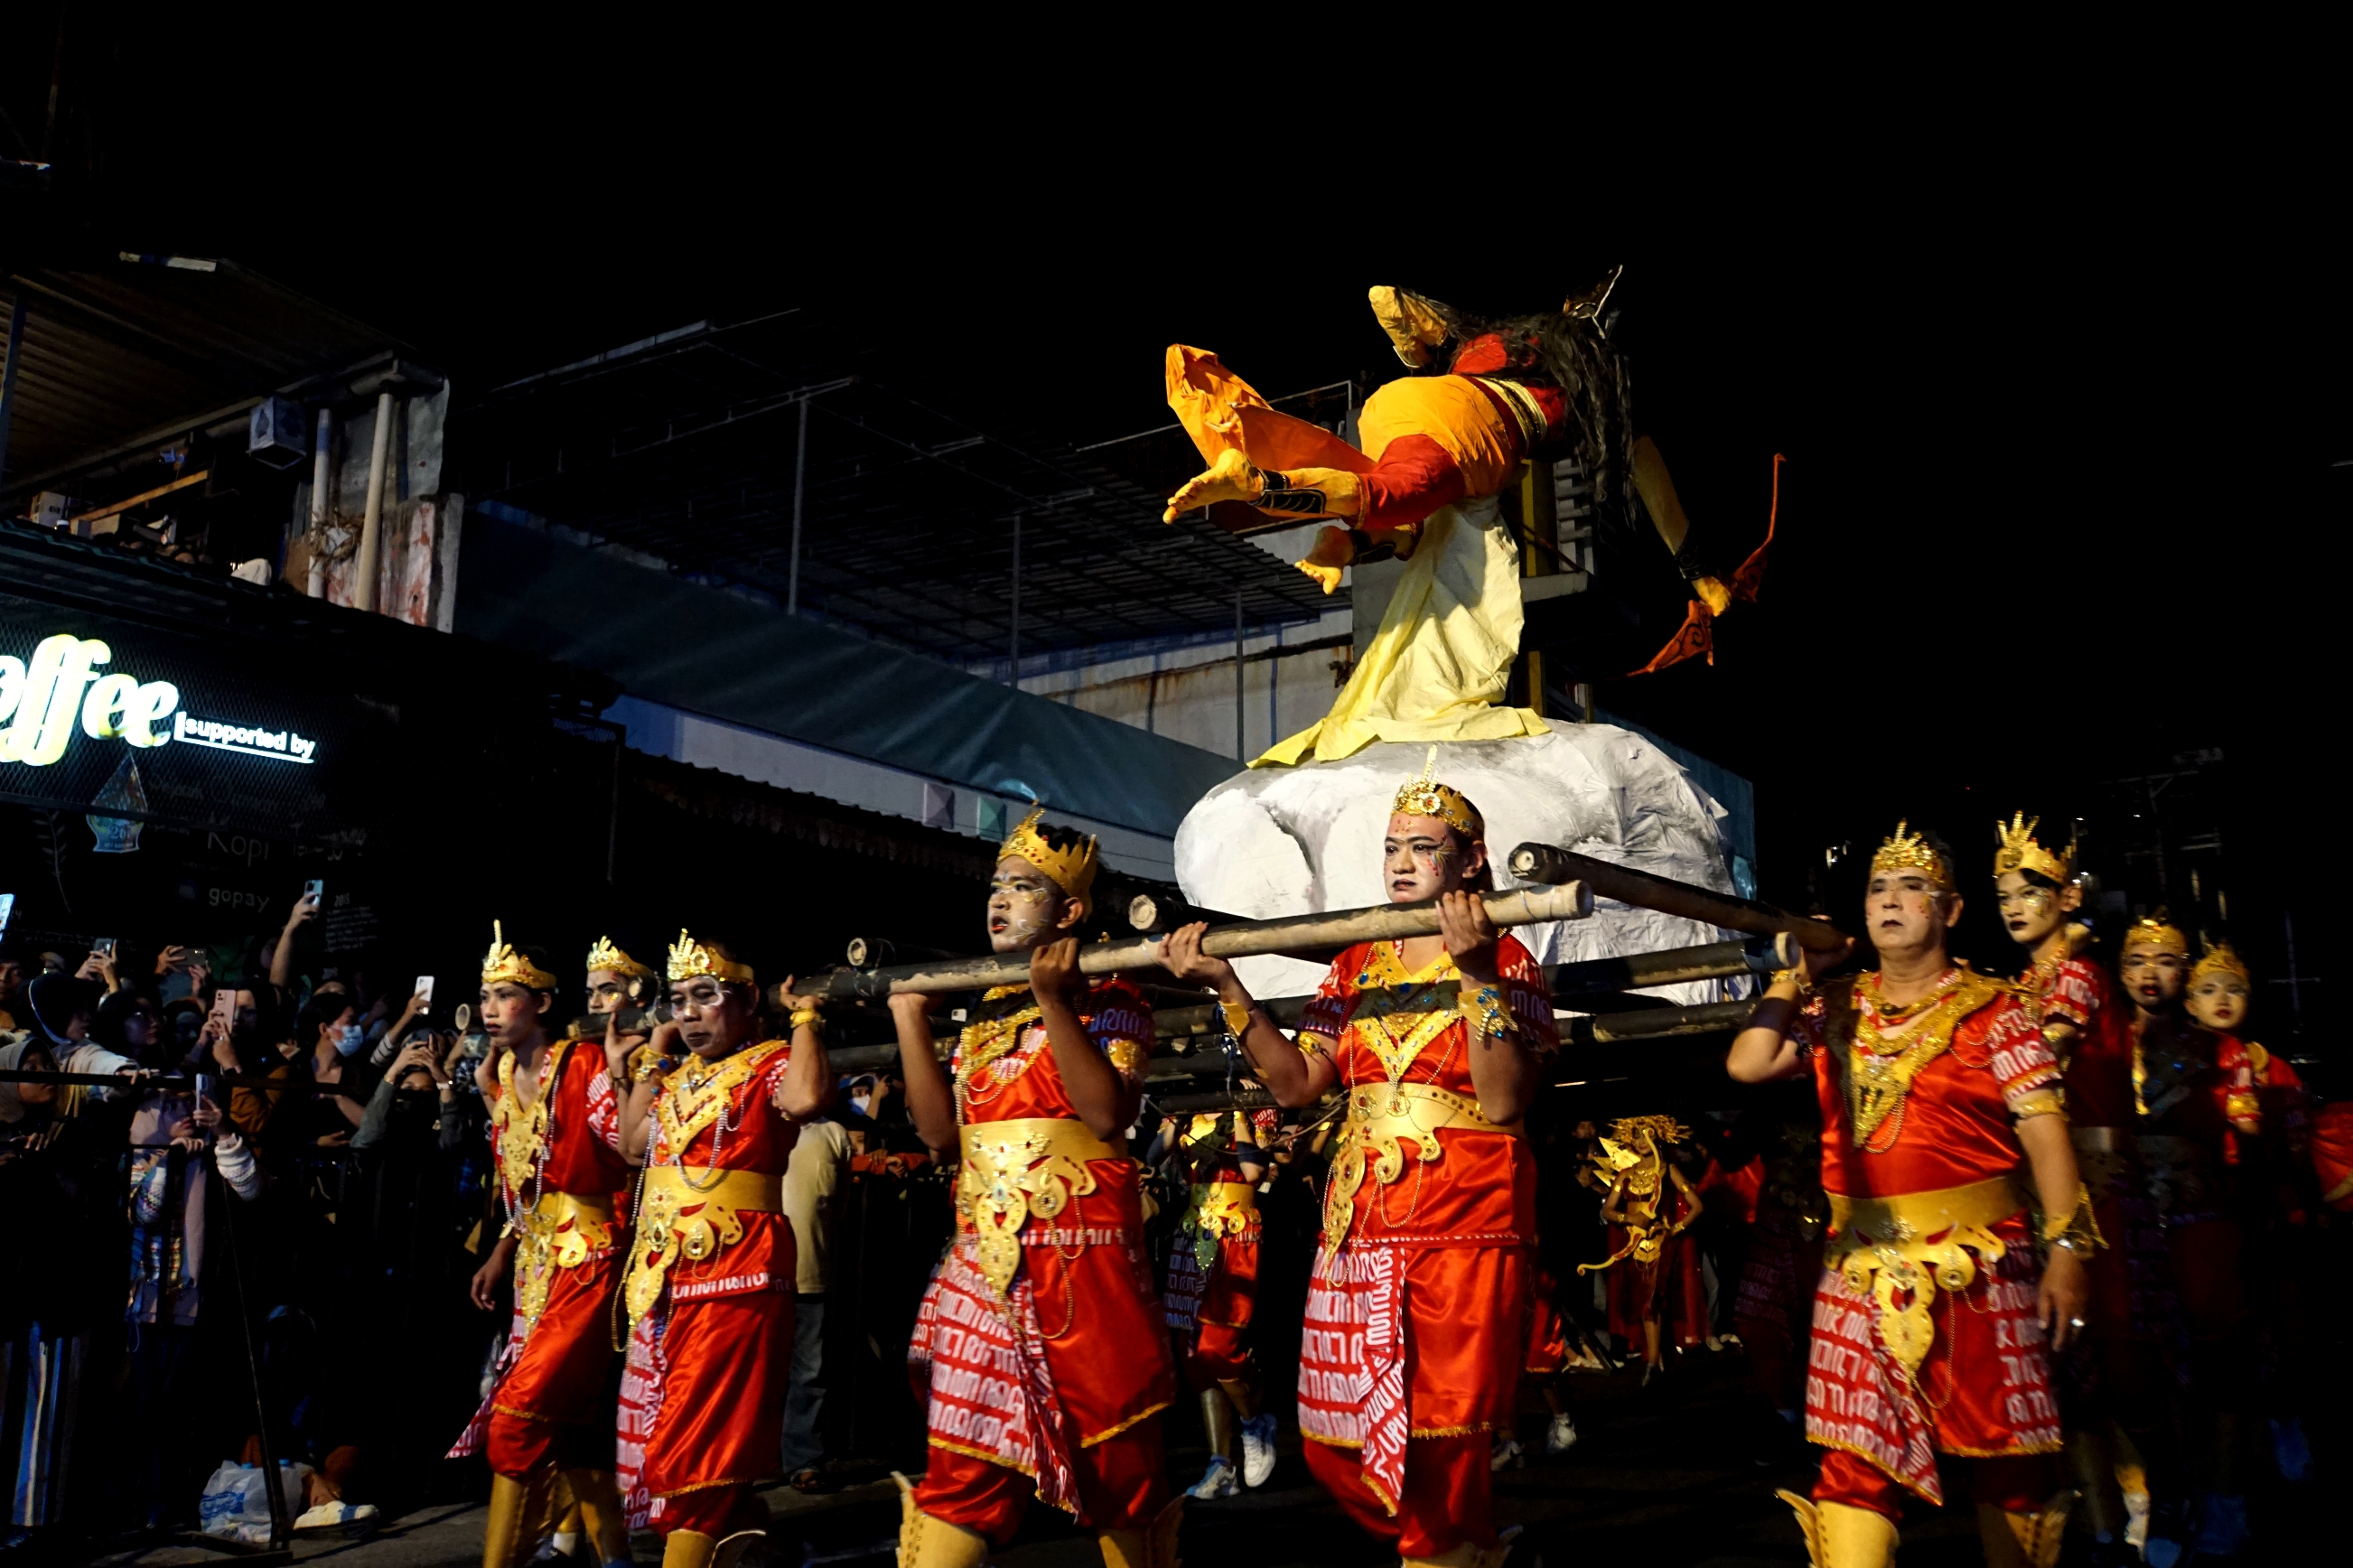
[(2079, 1230), (1483, 1010), (1796, 977), (809, 1015), (1237, 1017)]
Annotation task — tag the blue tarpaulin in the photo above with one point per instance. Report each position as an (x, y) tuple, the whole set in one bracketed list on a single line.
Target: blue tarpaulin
[(712, 652)]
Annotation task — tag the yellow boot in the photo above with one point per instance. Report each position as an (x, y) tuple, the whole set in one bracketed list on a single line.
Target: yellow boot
[(603, 1519), (1154, 1546), (2023, 1540), (1838, 1536), (1463, 1556), (928, 1542), (688, 1548), (517, 1507)]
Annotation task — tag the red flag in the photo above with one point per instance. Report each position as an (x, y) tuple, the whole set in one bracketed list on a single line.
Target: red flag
[(1696, 636), (1751, 575)]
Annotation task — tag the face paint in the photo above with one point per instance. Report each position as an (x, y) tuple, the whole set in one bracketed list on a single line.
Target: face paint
[(1024, 906)]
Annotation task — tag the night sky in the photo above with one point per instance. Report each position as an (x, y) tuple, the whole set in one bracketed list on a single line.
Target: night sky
[(2060, 400)]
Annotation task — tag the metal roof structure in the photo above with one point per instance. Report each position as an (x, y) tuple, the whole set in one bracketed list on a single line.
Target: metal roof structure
[(761, 454), (115, 357)]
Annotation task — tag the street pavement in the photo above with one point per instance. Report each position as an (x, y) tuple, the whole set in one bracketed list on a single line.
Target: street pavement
[(1663, 1476)]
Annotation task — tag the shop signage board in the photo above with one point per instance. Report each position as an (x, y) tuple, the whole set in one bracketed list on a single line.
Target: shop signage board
[(99, 714)]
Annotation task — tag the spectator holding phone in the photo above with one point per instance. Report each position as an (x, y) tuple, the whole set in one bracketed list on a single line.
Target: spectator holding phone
[(281, 954)]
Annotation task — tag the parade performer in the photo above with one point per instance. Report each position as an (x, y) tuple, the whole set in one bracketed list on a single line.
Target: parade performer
[(1040, 1337), (2273, 1188), (1210, 1287), (1546, 1360), (2184, 1145), (1775, 1308), (1649, 1205), (1936, 1086), (1417, 1301), (556, 1156), (2117, 1373), (710, 1283)]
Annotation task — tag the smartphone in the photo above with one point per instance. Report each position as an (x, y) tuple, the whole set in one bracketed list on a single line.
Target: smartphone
[(225, 1008), (7, 908), (424, 989), (314, 889), (103, 947), (204, 1085)]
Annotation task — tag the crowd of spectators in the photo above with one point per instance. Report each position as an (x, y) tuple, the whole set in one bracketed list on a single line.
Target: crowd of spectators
[(257, 1230)]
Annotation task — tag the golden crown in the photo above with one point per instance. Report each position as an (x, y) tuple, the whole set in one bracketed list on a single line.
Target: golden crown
[(604, 955), (2221, 959), (2151, 931), (689, 959), (503, 962), (1425, 797), (1911, 852), (1072, 869), (1661, 1128), (2020, 852)]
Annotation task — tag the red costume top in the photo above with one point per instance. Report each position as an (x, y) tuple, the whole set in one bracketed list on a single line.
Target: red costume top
[(1383, 1032), (710, 1223), (1416, 1311), (2076, 993), (1921, 1164), (1040, 1329), (560, 1178)]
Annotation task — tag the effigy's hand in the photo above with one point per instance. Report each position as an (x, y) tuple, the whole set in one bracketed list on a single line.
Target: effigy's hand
[(1229, 478)]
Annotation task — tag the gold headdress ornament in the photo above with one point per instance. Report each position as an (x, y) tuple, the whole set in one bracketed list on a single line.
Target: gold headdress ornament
[(1072, 869), (2150, 931), (2221, 958), (2020, 852), (1425, 797), (1911, 852), (604, 955), (503, 962), (689, 959)]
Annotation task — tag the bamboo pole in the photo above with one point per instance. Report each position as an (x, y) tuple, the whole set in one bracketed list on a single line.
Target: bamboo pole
[(1245, 938), (1547, 863)]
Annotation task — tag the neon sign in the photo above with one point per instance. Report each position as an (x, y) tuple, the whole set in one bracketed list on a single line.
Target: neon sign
[(44, 697), (278, 745)]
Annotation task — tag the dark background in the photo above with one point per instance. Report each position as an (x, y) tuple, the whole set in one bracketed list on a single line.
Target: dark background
[(2057, 364)]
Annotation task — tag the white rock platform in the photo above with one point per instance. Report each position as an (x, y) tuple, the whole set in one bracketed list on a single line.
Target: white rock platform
[(1297, 840)]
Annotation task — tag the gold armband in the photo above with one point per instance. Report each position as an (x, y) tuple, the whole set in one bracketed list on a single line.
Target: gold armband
[(2039, 1102), (1483, 1010), (809, 1015), (1237, 1017), (2077, 1230), (1796, 977)]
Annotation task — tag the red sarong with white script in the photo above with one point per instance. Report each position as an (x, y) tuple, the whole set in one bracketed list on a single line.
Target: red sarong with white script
[(992, 1391), (1352, 1362), (1983, 1389)]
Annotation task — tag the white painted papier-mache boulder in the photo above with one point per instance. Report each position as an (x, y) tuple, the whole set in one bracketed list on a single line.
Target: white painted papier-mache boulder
[(1295, 840)]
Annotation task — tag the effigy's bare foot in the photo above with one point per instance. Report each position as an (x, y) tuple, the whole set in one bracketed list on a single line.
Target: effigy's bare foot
[(1332, 551), (1229, 478)]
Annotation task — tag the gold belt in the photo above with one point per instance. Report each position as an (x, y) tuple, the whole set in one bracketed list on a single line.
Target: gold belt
[(562, 1230), (1881, 1247), (693, 1214), (1031, 1165), (1379, 1115), (1231, 1207)]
